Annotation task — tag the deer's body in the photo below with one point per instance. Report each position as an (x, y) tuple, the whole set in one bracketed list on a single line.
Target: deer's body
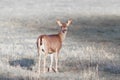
[(49, 44), (53, 43)]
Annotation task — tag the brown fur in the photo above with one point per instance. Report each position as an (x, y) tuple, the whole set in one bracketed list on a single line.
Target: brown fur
[(53, 43)]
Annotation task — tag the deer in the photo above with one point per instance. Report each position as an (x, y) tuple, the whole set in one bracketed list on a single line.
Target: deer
[(51, 44)]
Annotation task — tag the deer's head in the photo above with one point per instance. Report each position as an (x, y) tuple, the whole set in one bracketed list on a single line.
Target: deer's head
[(64, 26)]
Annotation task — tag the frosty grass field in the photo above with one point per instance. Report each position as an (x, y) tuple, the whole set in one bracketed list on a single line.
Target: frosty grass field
[(91, 50)]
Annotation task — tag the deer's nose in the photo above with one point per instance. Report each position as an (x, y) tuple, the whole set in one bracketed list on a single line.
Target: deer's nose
[(64, 30)]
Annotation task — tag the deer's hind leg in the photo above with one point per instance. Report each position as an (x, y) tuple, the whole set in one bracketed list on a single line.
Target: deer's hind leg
[(44, 65), (39, 60)]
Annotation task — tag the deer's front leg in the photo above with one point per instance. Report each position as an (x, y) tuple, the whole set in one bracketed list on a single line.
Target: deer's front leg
[(51, 64)]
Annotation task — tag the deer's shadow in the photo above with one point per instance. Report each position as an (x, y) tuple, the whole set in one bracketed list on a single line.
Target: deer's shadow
[(24, 63)]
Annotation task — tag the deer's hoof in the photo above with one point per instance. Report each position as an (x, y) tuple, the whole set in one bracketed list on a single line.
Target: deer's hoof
[(57, 71)]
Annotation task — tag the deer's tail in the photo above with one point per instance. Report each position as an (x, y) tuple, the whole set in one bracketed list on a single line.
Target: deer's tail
[(39, 43)]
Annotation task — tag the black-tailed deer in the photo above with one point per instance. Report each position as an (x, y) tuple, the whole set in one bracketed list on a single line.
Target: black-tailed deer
[(51, 44)]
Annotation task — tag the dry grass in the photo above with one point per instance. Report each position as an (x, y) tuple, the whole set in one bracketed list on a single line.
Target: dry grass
[(90, 51), (81, 58)]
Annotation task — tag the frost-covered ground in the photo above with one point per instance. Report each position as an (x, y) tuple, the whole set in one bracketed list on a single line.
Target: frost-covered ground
[(91, 50)]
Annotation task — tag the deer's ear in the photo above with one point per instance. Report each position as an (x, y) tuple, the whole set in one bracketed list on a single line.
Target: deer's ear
[(69, 22), (59, 22)]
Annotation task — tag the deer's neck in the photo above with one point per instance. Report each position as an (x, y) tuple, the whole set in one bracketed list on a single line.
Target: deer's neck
[(62, 35)]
